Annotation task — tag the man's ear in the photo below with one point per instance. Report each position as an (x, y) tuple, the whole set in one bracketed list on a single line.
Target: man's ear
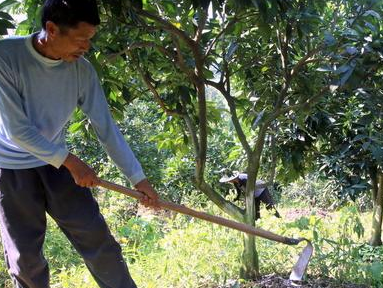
[(52, 30)]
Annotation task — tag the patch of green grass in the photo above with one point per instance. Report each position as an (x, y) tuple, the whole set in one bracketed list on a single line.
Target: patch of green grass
[(198, 254), (184, 252)]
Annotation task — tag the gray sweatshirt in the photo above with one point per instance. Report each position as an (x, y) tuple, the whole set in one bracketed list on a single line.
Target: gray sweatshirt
[(37, 98)]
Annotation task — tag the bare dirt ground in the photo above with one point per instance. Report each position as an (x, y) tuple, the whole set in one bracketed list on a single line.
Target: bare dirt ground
[(295, 213)]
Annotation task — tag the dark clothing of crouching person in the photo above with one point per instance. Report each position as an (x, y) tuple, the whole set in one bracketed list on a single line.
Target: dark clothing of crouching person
[(261, 193)]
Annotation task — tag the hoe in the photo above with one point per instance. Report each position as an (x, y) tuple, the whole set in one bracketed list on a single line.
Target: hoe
[(298, 270)]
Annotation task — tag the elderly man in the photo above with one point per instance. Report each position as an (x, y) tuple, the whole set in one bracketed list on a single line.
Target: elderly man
[(43, 78)]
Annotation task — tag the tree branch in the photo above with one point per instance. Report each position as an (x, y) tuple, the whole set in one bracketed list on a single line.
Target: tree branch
[(147, 79), (211, 46), (202, 123), (223, 31), (166, 25), (201, 25), (230, 101), (309, 102), (179, 34), (305, 60), (181, 61), (226, 206), (191, 128), (283, 51), (142, 44)]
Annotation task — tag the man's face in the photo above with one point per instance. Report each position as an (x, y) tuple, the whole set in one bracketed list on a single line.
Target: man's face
[(72, 43)]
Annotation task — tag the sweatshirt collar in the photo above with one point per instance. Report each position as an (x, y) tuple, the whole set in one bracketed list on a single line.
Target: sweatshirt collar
[(37, 55)]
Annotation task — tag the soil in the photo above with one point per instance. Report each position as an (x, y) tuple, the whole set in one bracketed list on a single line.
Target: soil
[(295, 213)]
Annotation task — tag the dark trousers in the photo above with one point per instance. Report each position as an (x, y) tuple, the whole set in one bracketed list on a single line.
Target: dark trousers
[(25, 196), (265, 198)]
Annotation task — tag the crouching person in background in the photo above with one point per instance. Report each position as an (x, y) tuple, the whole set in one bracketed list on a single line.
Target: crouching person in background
[(261, 193)]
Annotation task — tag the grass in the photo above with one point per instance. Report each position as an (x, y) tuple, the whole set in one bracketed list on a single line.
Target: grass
[(183, 252)]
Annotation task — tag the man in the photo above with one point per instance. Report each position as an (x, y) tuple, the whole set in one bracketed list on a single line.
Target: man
[(43, 78), (261, 193)]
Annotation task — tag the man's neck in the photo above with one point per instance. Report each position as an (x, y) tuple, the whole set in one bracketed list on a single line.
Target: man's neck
[(41, 45)]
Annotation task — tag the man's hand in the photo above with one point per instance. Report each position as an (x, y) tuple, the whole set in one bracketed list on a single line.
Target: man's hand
[(150, 198), (82, 174)]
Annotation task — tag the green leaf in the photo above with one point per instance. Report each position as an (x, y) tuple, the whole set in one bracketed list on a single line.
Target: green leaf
[(73, 128), (232, 48), (7, 3), (128, 97), (366, 145), (346, 71), (325, 69), (264, 69), (315, 235), (358, 186), (376, 271), (170, 7), (5, 24), (208, 74), (257, 120), (359, 137), (372, 13), (350, 32), (370, 26), (377, 152), (6, 16), (342, 69), (23, 28)]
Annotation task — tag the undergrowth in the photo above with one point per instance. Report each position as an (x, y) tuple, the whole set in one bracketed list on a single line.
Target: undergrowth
[(183, 252)]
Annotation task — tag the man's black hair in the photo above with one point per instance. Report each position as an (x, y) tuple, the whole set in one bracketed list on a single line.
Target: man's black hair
[(68, 13)]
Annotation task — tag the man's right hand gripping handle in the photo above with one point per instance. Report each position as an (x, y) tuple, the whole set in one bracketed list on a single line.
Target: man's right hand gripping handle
[(82, 174)]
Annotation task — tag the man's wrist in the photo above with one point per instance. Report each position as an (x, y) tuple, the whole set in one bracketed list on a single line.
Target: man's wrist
[(141, 183), (69, 161)]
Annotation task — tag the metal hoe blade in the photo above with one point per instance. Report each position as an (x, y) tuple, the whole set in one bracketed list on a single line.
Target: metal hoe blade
[(303, 261)]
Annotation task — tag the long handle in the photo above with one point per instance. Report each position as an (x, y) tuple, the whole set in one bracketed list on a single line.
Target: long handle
[(204, 216)]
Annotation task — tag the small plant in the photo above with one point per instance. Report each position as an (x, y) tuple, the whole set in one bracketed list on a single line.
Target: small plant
[(337, 251)]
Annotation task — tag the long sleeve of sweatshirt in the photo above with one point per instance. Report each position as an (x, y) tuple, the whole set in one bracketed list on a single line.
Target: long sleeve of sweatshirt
[(93, 103)]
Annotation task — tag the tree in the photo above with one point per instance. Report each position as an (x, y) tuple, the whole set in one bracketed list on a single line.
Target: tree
[(351, 147), (271, 51)]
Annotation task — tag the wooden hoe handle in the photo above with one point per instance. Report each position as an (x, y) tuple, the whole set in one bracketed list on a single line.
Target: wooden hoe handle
[(204, 216)]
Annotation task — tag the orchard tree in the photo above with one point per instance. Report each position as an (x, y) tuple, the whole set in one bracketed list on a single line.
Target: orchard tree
[(265, 58), (349, 126), (352, 152)]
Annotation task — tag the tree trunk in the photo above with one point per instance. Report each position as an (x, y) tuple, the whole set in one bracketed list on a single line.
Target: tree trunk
[(273, 157), (250, 260), (377, 195), (250, 264)]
